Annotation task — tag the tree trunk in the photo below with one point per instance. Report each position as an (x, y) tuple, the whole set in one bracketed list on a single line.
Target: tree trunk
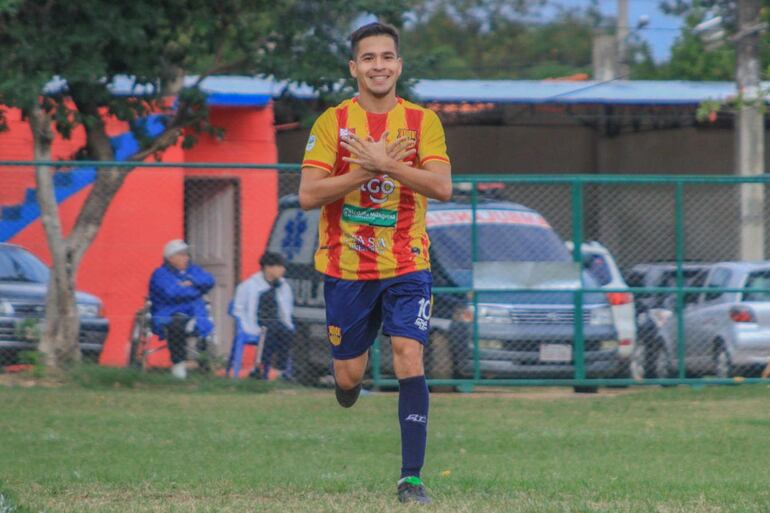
[(59, 339)]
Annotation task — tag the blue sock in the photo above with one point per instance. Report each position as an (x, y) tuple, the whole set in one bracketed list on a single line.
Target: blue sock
[(413, 417)]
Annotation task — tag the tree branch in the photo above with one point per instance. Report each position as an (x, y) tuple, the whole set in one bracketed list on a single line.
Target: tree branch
[(163, 141)]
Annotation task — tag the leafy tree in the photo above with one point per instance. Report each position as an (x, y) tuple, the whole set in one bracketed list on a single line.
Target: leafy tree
[(88, 43), (466, 39), (691, 58)]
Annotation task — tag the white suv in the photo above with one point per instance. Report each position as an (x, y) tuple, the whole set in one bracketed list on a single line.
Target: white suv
[(600, 263)]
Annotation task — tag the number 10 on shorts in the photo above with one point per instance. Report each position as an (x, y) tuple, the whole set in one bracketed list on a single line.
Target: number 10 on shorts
[(423, 314)]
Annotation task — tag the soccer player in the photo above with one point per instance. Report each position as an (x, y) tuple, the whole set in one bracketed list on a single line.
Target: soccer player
[(371, 163)]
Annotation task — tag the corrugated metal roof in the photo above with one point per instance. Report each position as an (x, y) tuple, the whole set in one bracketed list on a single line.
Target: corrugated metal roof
[(637, 92), (257, 92), (628, 92)]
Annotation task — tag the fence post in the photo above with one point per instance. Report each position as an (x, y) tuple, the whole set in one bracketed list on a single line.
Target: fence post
[(474, 256), (679, 249), (577, 257)]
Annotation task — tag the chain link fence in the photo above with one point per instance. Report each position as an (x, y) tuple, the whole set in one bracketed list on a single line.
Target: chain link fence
[(557, 280)]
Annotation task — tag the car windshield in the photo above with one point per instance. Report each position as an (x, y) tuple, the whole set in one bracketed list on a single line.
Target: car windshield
[(758, 280), (19, 265), (451, 247)]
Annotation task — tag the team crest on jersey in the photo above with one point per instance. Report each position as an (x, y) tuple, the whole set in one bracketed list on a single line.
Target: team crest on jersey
[(335, 335), (346, 132), (408, 133)]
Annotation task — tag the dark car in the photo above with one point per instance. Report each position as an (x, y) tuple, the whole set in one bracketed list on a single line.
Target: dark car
[(521, 334), (23, 289)]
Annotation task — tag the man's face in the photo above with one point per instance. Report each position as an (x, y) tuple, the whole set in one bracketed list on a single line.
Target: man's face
[(274, 272), (376, 66), (179, 260)]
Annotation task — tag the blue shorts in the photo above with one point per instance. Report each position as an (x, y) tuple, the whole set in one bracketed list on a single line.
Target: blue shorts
[(356, 309)]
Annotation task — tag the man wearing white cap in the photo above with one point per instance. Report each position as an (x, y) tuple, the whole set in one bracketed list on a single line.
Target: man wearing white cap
[(178, 309)]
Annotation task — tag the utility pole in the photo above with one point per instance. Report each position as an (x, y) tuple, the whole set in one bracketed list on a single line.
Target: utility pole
[(621, 35), (750, 131), (604, 57)]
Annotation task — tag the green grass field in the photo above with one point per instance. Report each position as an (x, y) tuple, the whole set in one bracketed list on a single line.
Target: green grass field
[(77, 448)]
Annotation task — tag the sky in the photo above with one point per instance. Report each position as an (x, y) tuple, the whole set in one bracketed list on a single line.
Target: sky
[(660, 33)]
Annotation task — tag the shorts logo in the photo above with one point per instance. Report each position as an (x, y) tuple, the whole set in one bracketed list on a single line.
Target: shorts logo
[(423, 315), (409, 134), (420, 419), (335, 335)]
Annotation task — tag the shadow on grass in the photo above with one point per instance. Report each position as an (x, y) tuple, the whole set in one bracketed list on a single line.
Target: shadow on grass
[(98, 377)]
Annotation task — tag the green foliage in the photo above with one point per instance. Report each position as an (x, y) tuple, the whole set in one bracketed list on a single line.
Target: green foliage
[(35, 360), (90, 42), (691, 59), (444, 44), (452, 39), (97, 377)]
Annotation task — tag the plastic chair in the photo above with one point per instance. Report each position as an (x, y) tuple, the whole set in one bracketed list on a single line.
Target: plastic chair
[(241, 340)]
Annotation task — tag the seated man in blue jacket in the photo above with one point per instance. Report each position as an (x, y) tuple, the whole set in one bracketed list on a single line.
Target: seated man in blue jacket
[(178, 309)]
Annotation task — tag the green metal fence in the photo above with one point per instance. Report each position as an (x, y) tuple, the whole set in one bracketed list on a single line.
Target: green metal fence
[(681, 227), (578, 185)]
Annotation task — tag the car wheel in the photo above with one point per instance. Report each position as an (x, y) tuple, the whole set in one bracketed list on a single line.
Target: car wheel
[(661, 364), (439, 364), (305, 371), (585, 389), (90, 356), (637, 367), (723, 365)]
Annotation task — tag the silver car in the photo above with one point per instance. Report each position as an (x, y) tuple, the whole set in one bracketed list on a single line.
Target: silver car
[(725, 333)]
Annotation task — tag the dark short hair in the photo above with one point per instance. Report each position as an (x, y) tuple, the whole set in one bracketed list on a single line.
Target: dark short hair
[(372, 29), (272, 258)]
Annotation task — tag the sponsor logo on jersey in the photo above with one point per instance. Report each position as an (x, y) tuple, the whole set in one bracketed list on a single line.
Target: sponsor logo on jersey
[(379, 189), (346, 132), (406, 132), (369, 216)]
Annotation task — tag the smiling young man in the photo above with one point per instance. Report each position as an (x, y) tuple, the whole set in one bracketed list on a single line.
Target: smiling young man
[(371, 163)]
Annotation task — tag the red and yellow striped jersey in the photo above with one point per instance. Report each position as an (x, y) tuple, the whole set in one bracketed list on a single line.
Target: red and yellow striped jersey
[(377, 231)]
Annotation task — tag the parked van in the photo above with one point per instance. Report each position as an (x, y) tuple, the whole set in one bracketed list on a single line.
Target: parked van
[(522, 334)]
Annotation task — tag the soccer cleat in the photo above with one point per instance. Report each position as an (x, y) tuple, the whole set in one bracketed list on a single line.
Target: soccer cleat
[(412, 489), (347, 398)]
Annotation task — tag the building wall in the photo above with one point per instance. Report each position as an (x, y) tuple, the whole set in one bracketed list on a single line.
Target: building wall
[(635, 222), (569, 148), (149, 210)]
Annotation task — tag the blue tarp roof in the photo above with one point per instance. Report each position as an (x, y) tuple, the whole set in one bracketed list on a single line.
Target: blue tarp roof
[(256, 92), (629, 92), (634, 92)]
